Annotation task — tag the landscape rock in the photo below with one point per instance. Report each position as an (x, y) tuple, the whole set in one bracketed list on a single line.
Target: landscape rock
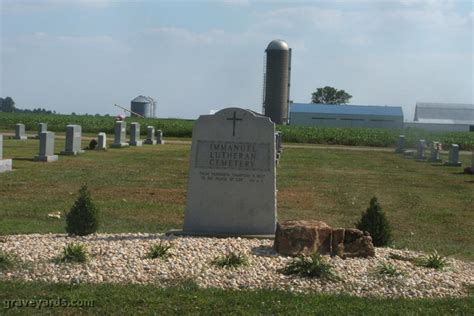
[(301, 237), (295, 238)]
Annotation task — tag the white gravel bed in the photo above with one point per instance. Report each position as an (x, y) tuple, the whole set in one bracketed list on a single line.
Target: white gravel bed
[(120, 258)]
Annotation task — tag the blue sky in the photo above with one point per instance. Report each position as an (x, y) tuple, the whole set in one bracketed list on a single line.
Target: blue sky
[(195, 56)]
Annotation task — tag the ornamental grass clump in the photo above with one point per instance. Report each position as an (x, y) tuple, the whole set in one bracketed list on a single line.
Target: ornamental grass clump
[(74, 253), (83, 218), (376, 223), (6, 261), (388, 269), (313, 266), (158, 251), (433, 260), (231, 260)]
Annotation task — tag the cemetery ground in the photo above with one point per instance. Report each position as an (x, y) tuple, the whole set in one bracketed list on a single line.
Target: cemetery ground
[(143, 190)]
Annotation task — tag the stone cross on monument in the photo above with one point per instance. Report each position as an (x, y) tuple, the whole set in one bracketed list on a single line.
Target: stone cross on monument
[(234, 119)]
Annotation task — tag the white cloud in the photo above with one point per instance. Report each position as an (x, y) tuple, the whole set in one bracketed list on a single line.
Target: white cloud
[(182, 34), (293, 17), (25, 6)]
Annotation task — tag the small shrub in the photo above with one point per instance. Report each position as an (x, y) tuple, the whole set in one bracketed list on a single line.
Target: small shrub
[(83, 218), (231, 260), (388, 269), (92, 144), (6, 260), (376, 223), (158, 251), (74, 253), (434, 261), (313, 266)]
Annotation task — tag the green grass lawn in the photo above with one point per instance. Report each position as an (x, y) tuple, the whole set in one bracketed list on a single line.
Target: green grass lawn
[(144, 190), (187, 299)]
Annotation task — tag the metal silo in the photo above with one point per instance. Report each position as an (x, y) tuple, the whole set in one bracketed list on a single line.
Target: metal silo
[(277, 81), (145, 106)]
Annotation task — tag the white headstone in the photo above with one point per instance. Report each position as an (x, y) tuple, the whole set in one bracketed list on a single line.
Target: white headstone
[(46, 151), (5, 164), (159, 137), (435, 149), (420, 152), (73, 140), (150, 136), (135, 135), (42, 127), (101, 141), (120, 133), (232, 185), (454, 156), (20, 132)]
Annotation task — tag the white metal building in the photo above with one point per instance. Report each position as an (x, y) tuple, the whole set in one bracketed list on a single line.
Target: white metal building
[(343, 115), (443, 117)]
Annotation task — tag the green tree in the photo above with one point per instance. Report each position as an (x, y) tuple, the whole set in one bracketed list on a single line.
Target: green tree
[(376, 223), (7, 105), (83, 218), (330, 95)]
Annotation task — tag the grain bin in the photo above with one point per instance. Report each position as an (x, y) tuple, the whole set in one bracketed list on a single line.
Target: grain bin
[(276, 96), (145, 106)]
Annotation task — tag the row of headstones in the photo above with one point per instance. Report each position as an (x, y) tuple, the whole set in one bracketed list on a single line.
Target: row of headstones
[(435, 151), (74, 138), (153, 137), (278, 146)]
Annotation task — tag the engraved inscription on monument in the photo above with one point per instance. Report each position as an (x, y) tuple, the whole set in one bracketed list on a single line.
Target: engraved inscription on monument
[(232, 155)]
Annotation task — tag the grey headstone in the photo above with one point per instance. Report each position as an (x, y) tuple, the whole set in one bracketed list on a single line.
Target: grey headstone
[(20, 132), (135, 135), (5, 164), (120, 133), (420, 151), (279, 142), (400, 145), (42, 127), (435, 149), (150, 136), (46, 150), (231, 186), (101, 141), (73, 140), (453, 160), (159, 137)]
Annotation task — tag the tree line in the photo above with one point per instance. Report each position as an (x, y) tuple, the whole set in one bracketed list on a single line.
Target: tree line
[(7, 105)]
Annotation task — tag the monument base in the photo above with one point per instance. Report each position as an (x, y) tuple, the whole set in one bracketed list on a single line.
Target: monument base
[(180, 232), (71, 153), (453, 164), (47, 158), (409, 153), (5, 165), (121, 145), (137, 143), (149, 142)]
